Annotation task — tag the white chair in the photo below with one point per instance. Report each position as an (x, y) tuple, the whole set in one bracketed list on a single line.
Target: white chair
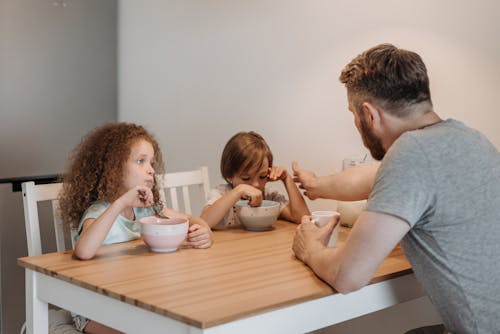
[(171, 182), (59, 320), (32, 195)]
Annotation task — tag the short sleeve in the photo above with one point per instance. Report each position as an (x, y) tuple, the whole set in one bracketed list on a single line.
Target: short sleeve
[(216, 193), (402, 187), (95, 210)]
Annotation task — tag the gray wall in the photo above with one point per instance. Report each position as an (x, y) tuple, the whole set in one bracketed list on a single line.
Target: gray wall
[(58, 80)]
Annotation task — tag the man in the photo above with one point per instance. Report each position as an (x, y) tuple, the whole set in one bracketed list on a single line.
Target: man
[(437, 190)]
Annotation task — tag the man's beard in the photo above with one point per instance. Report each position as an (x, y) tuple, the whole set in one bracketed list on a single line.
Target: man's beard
[(371, 141)]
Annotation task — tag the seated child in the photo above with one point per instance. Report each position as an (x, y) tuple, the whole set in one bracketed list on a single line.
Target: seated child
[(110, 184), (247, 166)]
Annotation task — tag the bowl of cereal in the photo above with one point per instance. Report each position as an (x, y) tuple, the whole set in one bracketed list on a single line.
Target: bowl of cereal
[(162, 234), (258, 218)]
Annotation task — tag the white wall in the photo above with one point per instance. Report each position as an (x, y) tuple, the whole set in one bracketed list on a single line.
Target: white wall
[(196, 72)]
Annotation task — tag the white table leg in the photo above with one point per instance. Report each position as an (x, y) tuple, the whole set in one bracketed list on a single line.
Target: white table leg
[(37, 310)]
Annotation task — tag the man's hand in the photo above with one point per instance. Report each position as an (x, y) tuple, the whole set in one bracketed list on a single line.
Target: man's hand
[(306, 179), (310, 239)]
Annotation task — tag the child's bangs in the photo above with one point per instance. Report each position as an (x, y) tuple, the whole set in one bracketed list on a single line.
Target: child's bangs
[(254, 160)]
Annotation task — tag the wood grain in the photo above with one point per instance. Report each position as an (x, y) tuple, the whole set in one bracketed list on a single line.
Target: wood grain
[(242, 274)]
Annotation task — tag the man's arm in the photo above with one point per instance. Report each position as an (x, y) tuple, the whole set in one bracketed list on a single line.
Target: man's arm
[(351, 266), (353, 184)]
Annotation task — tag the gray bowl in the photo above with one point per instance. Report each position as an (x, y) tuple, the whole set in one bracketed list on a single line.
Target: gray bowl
[(259, 218)]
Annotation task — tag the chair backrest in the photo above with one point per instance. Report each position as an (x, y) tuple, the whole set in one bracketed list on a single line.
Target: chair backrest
[(171, 182), (32, 195)]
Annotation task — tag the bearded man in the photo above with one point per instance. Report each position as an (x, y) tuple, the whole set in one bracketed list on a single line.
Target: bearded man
[(436, 190)]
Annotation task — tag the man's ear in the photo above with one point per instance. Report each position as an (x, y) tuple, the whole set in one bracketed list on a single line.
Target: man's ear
[(372, 115)]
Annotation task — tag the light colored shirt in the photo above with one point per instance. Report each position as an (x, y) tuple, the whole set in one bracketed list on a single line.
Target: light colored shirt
[(123, 229)]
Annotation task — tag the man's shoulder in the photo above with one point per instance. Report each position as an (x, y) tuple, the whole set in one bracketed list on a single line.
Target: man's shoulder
[(418, 141)]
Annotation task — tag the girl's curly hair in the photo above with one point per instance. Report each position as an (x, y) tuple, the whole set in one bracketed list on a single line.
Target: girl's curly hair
[(96, 168)]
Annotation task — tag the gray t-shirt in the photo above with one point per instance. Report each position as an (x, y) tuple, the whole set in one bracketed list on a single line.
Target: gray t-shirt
[(444, 181)]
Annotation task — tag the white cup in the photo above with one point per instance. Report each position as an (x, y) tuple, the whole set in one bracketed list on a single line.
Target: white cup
[(321, 218)]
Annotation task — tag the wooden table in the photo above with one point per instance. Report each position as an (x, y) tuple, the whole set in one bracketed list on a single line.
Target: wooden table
[(247, 282)]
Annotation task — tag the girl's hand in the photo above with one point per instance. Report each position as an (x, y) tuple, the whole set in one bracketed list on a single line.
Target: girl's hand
[(137, 197), (277, 173), (199, 236), (251, 193)]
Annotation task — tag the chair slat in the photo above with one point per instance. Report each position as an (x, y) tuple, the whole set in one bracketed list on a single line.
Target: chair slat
[(173, 198), (187, 202), (183, 180)]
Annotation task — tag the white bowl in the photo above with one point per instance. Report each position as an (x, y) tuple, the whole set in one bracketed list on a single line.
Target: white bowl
[(350, 211), (163, 234), (258, 218)]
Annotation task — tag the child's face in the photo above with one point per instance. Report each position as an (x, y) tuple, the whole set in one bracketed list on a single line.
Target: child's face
[(138, 168), (256, 177)]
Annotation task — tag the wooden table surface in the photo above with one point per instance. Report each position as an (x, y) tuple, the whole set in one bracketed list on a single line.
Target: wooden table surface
[(242, 274)]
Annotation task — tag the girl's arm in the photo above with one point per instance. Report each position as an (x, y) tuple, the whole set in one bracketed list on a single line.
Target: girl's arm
[(214, 213), (297, 206), (95, 230)]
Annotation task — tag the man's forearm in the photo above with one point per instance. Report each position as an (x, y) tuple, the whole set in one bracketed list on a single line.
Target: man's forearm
[(352, 184)]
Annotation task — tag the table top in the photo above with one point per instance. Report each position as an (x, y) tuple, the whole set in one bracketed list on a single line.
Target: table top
[(244, 273)]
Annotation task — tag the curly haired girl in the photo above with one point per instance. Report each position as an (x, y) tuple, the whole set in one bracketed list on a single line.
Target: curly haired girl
[(109, 185)]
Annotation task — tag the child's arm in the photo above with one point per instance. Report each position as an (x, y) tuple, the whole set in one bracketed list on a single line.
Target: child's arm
[(214, 213), (94, 231), (296, 207), (199, 235)]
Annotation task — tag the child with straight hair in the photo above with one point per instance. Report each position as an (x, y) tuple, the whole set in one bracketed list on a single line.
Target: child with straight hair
[(247, 166), (110, 184)]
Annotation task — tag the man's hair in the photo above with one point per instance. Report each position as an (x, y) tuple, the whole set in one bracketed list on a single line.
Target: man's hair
[(394, 78)]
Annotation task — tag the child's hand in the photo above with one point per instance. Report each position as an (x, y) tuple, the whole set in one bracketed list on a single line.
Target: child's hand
[(277, 173), (251, 193), (137, 197), (199, 236)]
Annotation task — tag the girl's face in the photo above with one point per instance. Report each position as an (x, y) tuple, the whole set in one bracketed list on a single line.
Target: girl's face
[(256, 177), (138, 168)]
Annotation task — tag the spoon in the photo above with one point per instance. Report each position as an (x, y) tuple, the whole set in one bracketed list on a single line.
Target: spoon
[(157, 208)]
